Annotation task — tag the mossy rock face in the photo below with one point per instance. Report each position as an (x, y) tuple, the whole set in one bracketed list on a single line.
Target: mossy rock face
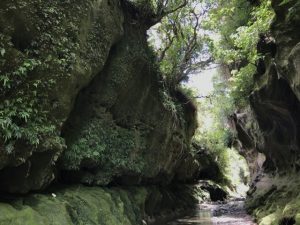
[(271, 126), (276, 200), (50, 50), (64, 87), (122, 129), (79, 205), (76, 206)]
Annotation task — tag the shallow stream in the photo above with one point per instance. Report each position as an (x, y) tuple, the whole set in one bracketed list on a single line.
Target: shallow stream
[(230, 213)]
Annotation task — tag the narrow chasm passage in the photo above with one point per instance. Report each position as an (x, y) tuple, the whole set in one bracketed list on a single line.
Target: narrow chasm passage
[(149, 112), (223, 213), (225, 171)]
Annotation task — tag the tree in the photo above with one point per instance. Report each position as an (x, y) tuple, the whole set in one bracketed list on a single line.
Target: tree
[(182, 49), (152, 12), (239, 24)]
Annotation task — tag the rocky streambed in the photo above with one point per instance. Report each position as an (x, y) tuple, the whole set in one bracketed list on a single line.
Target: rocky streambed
[(226, 213)]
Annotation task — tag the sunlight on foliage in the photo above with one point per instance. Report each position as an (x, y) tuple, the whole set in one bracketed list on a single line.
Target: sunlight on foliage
[(239, 26), (180, 43), (216, 135)]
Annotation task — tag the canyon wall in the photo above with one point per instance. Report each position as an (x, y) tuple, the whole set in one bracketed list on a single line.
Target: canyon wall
[(270, 126), (82, 100)]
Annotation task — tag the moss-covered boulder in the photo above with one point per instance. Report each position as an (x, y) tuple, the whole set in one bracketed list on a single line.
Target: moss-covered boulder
[(79, 205), (276, 200)]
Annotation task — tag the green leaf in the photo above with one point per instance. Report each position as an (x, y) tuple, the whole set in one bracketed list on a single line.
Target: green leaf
[(96, 153)]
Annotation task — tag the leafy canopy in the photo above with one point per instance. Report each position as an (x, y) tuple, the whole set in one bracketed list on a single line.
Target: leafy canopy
[(179, 42), (238, 26)]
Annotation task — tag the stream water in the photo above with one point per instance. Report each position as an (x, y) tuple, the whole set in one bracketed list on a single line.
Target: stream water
[(231, 213)]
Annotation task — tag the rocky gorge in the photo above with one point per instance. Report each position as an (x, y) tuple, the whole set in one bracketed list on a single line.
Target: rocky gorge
[(82, 102), (91, 134)]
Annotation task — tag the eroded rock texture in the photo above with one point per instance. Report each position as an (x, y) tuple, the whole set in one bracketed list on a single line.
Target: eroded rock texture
[(249, 140), (271, 125), (275, 102)]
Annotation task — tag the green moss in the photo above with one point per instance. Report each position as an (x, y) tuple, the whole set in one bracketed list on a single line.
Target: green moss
[(80, 205), (276, 201), (51, 208), (292, 208), (26, 216), (75, 206), (140, 196), (95, 206), (297, 219), (271, 219)]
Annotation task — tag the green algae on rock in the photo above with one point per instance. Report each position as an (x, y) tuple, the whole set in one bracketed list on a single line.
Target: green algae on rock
[(80, 205)]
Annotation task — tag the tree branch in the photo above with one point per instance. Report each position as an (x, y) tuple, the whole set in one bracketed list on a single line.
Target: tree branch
[(162, 13), (175, 9)]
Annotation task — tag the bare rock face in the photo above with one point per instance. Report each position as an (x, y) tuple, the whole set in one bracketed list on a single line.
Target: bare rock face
[(249, 140), (79, 84)]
